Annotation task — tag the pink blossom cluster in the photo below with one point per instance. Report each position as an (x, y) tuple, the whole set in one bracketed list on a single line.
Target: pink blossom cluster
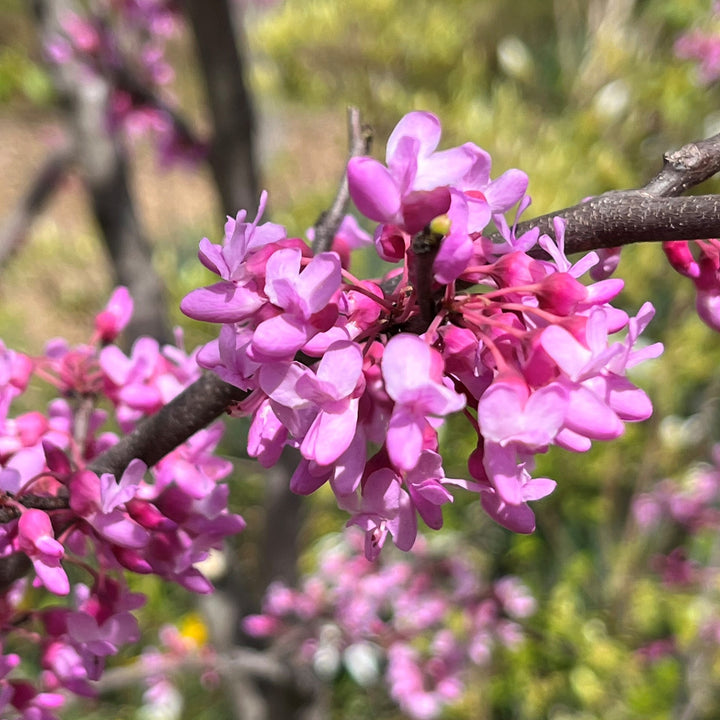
[(426, 619), (702, 46), (693, 504), (684, 514), (124, 42), (359, 375), (699, 260), (159, 665), (60, 514)]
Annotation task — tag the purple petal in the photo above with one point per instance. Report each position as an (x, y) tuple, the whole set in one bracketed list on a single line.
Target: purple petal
[(349, 466), (341, 367), (211, 257), (406, 364), (330, 434), (278, 381), (120, 529), (421, 206), (537, 488), (504, 473), (478, 176), (421, 126), (444, 168), (405, 437), (589, 415), (305, 480), (373, 189), (404, 527), (506, 190), (319, 281), (279, 337), (518, 518), (221, 303)]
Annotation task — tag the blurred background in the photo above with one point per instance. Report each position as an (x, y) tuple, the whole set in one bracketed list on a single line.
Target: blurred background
[(584, 96)]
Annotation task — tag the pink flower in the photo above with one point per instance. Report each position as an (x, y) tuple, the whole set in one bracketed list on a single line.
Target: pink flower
[(383, 508), (116, 315), (330, 392), (412, 372), (303, 296), (98, 499), (37, 540), (102, 639)]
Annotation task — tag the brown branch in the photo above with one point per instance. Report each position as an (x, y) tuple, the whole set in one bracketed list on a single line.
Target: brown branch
[(632, 216), (684, 168), (48, 179), (195, 408), (360, 139), (652, 213), (255, 663)]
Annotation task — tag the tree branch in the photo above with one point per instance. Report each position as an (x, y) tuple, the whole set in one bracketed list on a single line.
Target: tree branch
[(195, 408), (632, 216), (652, 213), (16, 226), (360, 139), (103, 167)]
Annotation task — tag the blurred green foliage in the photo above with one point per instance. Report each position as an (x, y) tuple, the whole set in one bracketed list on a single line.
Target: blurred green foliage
[(585, 96)]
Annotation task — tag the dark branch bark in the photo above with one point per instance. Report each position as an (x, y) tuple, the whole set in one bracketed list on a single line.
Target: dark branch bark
[(46, 182), (360, 138), (684, 168), (632, 216), (231, 157), (649, 214), (195, 408)]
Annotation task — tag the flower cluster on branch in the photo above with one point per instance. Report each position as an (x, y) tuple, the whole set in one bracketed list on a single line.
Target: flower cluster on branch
[(359, 375), (425, 618), (60, 514)]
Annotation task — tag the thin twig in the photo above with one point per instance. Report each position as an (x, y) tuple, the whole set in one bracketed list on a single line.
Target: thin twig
[(360, 139), (255, 663), (632, 216), (651, 213), (49, 177)]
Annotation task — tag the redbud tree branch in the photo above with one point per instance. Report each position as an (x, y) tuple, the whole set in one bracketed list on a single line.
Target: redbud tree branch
[(329, 222), (48, 179), (103, 167), (195, 408), (651, 213)]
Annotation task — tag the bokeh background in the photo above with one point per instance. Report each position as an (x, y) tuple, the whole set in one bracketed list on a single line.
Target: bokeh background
[(584, 96)]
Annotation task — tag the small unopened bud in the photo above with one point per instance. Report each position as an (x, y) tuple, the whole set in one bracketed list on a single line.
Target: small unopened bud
[(440, 225)]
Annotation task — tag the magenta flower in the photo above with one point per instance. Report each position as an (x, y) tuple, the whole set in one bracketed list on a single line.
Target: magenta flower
[(98, 499), (413, 188), (116, 315), (383, 508), (303, 296), (102, 639), (509, 413), (330, 392), (412, 372), (36, 539), (237, 297)]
